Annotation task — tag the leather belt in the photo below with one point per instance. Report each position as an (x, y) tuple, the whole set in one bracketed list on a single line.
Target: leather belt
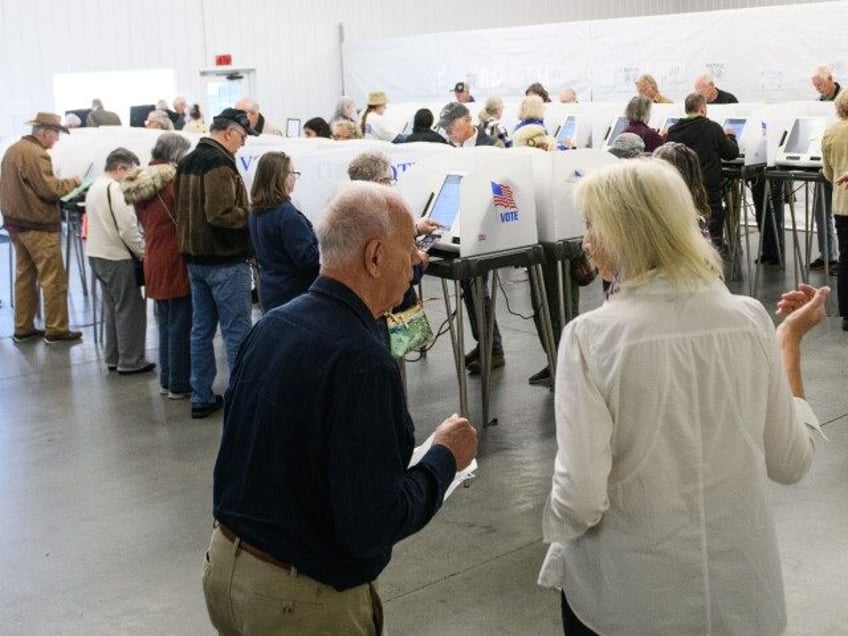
[(259, 554)]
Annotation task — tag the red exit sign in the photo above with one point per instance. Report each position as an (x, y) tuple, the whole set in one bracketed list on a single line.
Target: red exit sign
[(225, 59)]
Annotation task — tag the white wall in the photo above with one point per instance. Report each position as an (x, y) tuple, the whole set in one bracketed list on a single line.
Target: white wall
[(747, 50), (293, 45)]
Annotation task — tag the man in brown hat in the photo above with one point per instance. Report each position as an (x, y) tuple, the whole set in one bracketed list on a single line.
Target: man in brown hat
[(29, 199)]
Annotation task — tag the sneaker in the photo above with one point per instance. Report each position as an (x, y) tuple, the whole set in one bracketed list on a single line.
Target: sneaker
[(832, 267), (163, 391), (472, 356), (67, 336), (144, 369), (175, 395), (199, 411), (817, 264), (497, 362), (541, 378), (29, 335)]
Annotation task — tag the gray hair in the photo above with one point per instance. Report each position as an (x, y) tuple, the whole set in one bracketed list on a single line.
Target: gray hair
[(121, 157), (638, 109), (161, 117), (368, 166), (170, 147), (823, 72), (627, 146), (706, 78), (72, 120), (248, 105), (360, 212), (343, 109)]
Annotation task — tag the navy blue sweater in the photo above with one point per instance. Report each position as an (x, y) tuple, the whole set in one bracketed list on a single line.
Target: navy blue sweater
[(317, 438)]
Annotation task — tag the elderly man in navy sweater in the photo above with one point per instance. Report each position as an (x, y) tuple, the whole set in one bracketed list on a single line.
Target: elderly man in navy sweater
[(312, 486)]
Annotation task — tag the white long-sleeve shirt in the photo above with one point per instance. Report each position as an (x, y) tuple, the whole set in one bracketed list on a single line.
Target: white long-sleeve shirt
[(376, 127), (672, 412), (106, 239)]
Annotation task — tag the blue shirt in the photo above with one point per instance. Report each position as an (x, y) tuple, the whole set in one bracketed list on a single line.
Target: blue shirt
[(287, 251), (317, 438)]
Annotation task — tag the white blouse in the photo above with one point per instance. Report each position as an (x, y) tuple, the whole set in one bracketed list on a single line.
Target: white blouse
[(672, 410), (377, 128)]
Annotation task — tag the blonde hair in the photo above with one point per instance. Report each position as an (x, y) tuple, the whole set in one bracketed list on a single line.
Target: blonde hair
[(841, 104), (492, 106), (642, 217), (532, 107)]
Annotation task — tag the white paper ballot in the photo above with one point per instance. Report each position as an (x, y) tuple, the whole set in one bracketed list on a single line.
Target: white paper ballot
[(461, 476)]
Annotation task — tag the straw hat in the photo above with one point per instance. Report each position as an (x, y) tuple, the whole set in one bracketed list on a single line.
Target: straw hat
[(377, 98)]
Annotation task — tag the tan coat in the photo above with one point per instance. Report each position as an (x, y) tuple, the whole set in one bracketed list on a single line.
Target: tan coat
[(835, 161), (29, 191)]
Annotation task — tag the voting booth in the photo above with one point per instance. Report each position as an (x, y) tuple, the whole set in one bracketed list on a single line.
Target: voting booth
[(486, 195), (615, 128), (495, 208), (323, 164), (800, 145)]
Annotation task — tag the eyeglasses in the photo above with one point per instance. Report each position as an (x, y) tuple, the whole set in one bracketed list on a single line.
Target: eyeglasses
[(294, 173), (242, 135), (385, 180)]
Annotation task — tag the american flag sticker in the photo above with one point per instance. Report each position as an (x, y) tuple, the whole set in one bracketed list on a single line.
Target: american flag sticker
[(502, 196)]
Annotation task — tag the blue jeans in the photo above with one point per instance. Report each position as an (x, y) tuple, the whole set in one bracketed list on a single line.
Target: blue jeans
[(823, 220), (174, 349), (218, 292)]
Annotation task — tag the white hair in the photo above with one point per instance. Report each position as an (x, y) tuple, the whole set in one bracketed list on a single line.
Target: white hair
[(360, 212)]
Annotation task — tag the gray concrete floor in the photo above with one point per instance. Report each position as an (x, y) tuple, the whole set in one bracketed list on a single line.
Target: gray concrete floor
[(105, 488)]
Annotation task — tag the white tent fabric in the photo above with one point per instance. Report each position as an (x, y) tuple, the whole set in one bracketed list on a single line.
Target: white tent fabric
[(760, 55)]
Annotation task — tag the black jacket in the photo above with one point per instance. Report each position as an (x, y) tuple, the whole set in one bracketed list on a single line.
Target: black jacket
[(425, 135), (711, 144)]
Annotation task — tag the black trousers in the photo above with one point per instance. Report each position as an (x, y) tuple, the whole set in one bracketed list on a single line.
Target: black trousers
[(841, 222), (571, 625)]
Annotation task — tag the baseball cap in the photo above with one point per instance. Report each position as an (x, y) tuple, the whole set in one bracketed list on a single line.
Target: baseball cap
[(451, 113), (235, 116), (460, 87)]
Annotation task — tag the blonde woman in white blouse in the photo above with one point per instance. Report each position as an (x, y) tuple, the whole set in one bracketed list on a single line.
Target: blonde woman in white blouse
[(675, 403)]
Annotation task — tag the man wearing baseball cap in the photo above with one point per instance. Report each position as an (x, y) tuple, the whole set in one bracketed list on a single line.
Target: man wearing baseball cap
[(455, 120), (462, 94), (29, 200), (212, 209)]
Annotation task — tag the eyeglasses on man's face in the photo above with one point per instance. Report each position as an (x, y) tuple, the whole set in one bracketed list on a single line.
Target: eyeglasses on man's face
[(294, 173)]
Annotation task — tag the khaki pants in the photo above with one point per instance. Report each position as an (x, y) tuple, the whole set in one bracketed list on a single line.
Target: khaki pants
[(38, 261), (246, 596)]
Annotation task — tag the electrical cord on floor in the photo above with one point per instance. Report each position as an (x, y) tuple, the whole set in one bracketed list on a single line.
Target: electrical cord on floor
[(445, 327), (506, 299)]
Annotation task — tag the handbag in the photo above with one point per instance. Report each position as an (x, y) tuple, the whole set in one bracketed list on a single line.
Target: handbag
[(583, 270), (137, 263), (409, 330)]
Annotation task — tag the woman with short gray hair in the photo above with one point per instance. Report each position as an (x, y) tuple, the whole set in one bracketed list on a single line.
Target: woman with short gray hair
[(638, 113)]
